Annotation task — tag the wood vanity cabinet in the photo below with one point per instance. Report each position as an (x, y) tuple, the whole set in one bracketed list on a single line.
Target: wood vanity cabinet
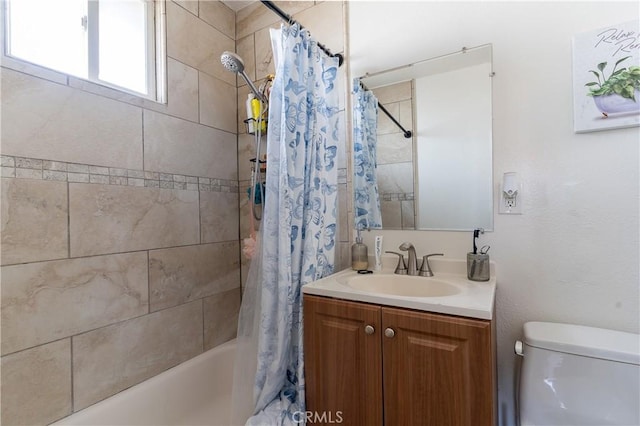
[(410, 368)]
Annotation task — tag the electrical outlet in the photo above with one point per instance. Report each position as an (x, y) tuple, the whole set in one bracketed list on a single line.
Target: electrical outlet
[(510, 194), (511, 204)]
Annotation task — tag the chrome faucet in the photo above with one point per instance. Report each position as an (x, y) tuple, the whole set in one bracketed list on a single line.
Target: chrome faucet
[(412, 267)]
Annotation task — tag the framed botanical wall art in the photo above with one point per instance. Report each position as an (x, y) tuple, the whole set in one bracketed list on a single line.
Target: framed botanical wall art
[(606, 78)]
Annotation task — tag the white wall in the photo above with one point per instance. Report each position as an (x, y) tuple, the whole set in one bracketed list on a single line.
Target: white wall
[(573, 256)]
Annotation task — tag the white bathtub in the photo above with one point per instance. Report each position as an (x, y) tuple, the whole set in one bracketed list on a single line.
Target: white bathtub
[(196, 392)]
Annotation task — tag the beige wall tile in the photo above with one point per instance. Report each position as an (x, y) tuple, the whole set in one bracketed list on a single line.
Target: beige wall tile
[(172, 145), (247, 151), (344, 85), (408, 215), (406, 114), (36, 385), (394, 92), (34, 220), (47, 120), (218, 104), (190, 5), (394, 148), (325, 21), (196, 43), (343, 230), (218, 216), (385, 125), (113, 358), (182, 88), (343, 256), (391, 214), (183, 274), (112, 219), (264, 53), (221, 318), (341, 156), (245, 47), (46, 301), (395, 178), (257, 16), (219, 15)]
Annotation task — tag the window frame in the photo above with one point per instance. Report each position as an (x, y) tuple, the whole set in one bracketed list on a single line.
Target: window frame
[(156, 61)]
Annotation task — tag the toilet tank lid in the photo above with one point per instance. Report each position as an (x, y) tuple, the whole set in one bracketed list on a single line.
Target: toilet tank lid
[(586, 341)]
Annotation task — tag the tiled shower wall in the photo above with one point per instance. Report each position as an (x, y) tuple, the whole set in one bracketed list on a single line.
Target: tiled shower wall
[(395, 157), (120, 252), (326, 22)]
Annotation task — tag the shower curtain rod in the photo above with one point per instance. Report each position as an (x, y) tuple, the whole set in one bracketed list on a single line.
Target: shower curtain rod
[(407, 133), (291, 21)]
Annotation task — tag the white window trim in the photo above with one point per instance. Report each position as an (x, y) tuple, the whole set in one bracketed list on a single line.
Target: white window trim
[(157, 75)]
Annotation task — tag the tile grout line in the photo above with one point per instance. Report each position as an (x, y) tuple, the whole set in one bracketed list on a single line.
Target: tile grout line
[(121, 252), (148, 282), (73, 403), (203, 344), (68, 220), (142, 135)]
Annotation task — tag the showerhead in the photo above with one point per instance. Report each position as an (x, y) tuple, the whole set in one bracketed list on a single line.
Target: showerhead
[(232, 62)]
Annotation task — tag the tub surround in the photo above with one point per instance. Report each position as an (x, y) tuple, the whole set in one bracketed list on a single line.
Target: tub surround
[(196, 392), (121, 216), (120, 247)]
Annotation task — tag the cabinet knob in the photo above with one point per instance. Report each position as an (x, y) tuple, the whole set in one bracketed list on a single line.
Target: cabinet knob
[(369, 329), (389, 332)]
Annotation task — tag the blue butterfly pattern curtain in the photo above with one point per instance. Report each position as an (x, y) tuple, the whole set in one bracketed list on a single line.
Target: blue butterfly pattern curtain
[(299, 222), (365, 185)]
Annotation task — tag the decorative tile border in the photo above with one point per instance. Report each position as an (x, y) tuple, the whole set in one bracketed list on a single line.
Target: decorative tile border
[(33, 168), (391, 196)]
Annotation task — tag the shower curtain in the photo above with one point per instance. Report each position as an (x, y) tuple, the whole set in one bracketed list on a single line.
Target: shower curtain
[(296, 243), (365, 185)]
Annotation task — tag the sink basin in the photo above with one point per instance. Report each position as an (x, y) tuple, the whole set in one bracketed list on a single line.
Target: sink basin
[(403, 285)]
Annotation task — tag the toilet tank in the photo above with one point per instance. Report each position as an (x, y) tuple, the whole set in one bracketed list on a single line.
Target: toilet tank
[(576, 375)]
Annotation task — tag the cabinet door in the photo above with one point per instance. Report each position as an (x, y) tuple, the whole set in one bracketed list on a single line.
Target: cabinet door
[(343, 364), (437, 370)]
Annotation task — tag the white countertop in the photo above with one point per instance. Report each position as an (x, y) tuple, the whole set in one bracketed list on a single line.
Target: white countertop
[(475, 299)]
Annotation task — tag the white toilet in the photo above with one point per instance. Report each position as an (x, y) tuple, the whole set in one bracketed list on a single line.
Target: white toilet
[(578, 376)]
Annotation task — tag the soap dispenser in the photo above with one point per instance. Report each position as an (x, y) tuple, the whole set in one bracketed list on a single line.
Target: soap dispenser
[(359, 255)]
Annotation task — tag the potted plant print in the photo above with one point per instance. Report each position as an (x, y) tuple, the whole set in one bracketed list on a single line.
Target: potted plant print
[(618, 93)]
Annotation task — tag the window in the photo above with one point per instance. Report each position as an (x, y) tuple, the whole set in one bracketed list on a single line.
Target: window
[(117, 43)]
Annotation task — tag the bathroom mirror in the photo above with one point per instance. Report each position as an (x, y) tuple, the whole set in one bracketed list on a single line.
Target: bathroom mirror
[(441, 177)]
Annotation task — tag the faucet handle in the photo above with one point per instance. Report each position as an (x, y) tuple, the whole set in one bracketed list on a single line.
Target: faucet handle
[(425, 269), (401, 269)]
